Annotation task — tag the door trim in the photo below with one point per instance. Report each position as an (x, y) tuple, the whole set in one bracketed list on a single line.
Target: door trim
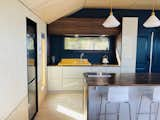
[(29, 21)]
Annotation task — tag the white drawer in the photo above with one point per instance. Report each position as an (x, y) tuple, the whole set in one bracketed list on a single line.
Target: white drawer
[(74, 72)]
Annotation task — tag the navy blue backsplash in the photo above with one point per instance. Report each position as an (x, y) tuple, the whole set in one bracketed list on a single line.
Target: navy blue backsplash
[(56, 43), (95, 57)]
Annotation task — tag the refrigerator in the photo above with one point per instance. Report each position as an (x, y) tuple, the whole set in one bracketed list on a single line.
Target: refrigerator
[(32, 68)]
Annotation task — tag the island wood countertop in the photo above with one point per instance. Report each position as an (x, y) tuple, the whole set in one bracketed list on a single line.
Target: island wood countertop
[(122, 79)]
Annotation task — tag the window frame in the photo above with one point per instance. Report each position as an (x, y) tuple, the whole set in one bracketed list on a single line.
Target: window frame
[(90, 51)]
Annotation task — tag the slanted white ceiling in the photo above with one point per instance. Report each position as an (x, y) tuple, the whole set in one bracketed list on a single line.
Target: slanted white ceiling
[(51, 10)]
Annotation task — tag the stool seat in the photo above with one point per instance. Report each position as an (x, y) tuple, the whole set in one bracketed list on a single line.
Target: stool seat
[(118, 94), (154, 100), (156, 94)]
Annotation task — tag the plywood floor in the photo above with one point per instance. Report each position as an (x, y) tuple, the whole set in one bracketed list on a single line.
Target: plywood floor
[(62, 107)]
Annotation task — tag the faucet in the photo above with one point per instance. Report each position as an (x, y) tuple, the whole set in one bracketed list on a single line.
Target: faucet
[(81, 56)]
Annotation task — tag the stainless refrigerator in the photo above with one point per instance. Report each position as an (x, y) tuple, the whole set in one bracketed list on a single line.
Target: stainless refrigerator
[(32, 68)]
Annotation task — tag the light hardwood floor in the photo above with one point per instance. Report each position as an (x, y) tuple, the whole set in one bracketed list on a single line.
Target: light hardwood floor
[(62, 107)]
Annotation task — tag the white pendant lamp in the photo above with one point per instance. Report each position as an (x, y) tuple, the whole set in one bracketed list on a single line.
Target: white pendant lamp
[(152, 21), (111, 21)]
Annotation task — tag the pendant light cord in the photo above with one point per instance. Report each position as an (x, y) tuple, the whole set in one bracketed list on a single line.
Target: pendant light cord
[(111, 12), (153, 7), (85, 2)]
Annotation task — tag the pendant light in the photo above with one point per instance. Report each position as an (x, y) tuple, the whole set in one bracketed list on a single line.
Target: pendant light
[(111, 21), (152, 21)]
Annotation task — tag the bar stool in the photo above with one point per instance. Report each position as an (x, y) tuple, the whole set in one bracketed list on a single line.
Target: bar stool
[(154, 100), (116, 95)]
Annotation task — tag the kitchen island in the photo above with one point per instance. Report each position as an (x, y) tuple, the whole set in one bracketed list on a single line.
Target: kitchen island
[(142, 91)]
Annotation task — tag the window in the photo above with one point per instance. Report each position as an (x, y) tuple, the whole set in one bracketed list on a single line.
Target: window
[(86, 43)]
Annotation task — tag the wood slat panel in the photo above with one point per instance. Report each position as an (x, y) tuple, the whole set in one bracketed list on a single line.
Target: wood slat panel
[(80, 26)]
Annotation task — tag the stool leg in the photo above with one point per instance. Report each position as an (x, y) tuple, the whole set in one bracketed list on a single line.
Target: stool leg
[(150, 111), (156, 117), (99, 117), (118, 111), (105, 111), (139, 108), (129, 105)]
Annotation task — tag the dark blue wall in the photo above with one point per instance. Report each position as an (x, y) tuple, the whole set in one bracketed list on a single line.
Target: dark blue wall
[(57, 50), (119, 13), (143, 33)]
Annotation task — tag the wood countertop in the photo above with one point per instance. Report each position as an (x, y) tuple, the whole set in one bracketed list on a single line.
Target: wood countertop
[(123, 79), (93, 65)]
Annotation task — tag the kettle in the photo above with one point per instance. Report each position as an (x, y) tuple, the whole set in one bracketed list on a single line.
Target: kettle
[(105, 59)]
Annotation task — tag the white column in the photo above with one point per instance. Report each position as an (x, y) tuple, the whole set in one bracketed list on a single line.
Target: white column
[(129, 44)]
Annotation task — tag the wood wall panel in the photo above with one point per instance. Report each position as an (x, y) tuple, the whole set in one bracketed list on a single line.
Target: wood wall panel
[(81, 26)]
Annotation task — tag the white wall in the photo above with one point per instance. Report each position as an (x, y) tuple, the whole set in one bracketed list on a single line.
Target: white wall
[(13, 60)]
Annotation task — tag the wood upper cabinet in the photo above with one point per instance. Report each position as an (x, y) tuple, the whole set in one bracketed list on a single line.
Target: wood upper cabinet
[(81, 26)]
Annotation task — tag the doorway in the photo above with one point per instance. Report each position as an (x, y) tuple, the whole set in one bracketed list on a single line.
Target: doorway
[(31, 37)]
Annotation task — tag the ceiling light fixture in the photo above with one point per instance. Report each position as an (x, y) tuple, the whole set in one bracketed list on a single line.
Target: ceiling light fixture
[(153, 20), (111, 21)]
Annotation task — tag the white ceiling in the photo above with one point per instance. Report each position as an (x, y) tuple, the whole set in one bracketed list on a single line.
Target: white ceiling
[(51, 10)]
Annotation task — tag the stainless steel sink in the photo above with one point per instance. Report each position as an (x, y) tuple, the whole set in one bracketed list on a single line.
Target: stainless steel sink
[(99, 75)]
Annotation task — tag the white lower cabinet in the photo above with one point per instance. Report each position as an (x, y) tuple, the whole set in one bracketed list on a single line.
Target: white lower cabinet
[(74, 72), (54, 78), (106, 69), (71, 78)]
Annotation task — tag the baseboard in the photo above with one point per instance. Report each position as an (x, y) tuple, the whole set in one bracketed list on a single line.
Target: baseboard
[(21, 111)]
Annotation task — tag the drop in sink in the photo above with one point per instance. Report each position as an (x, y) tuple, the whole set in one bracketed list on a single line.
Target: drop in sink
[(99, 75)]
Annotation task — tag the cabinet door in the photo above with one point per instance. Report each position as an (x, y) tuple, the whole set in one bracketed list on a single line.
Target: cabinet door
[(72, 84), (73, 77), (156, 53), (106, 69), (143, 53), (54, 78), (98, 69), (74, 72)]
